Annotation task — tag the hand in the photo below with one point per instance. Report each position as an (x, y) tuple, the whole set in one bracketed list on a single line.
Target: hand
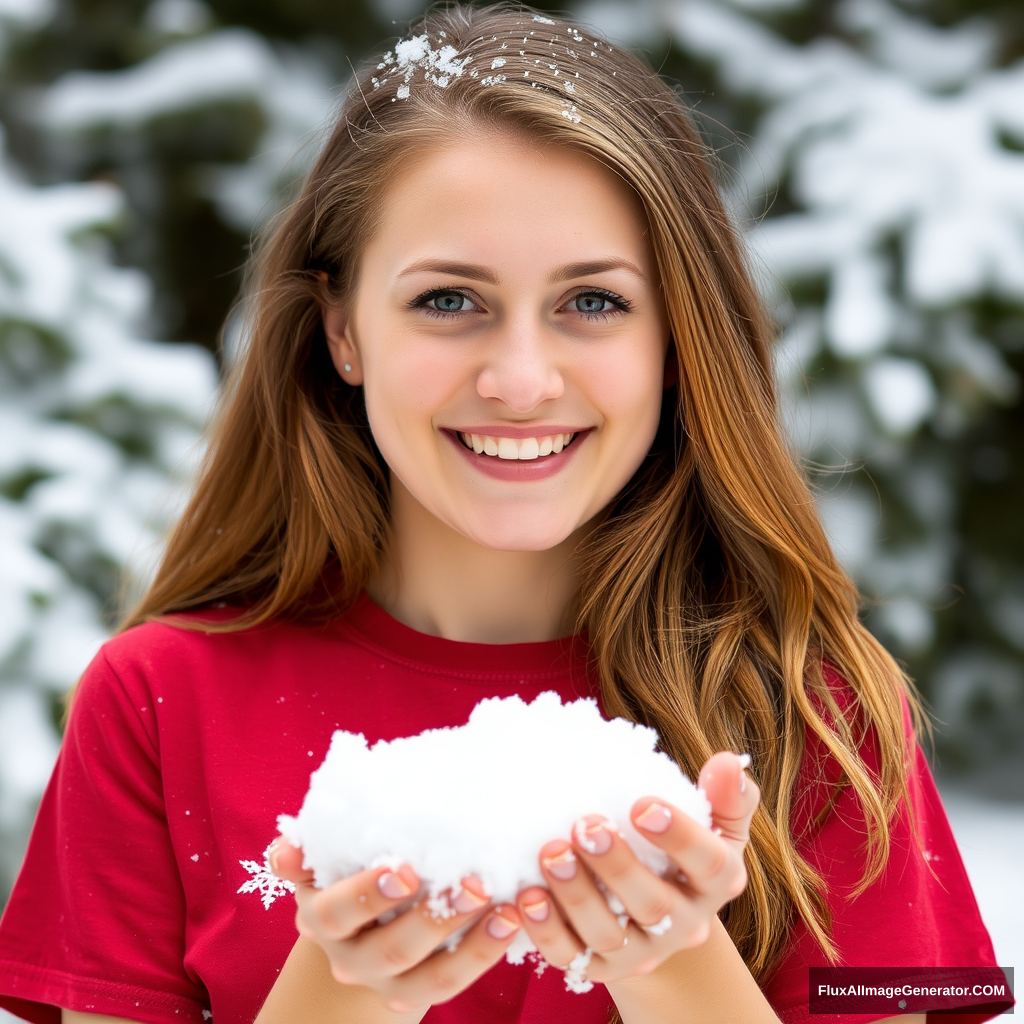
[(664, 915), (398, 960)]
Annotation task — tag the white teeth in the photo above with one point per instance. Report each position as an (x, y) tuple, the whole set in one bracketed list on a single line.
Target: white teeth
[(528, 448), (509, 448)]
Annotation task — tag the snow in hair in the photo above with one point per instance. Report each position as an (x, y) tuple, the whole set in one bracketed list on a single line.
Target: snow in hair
[(438, 65), (483, 798)]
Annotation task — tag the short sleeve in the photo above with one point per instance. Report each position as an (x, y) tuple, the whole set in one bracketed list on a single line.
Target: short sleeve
[(921, 912), (96, 921)]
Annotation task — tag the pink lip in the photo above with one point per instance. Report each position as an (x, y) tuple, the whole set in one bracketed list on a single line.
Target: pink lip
[(507, 430), (516, 469)]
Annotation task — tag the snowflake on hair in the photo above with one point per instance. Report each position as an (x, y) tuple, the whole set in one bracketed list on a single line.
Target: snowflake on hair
[(439, 66), (264, 881)]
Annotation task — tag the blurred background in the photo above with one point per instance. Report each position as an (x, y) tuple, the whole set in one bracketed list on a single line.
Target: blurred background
[(872, 150)]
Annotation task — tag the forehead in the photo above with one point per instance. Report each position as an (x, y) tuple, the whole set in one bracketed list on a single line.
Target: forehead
[(500, 198)]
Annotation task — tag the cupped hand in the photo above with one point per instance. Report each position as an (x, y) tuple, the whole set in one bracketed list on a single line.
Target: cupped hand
[(610, 917), (402, 960)]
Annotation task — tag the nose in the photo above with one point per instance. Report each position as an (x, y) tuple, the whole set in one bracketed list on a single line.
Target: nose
[(520, 371)]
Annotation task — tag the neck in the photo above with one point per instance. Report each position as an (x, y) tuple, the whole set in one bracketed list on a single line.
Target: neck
[(436, 581)]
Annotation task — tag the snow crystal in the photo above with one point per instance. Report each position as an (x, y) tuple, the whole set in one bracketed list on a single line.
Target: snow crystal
[(498, 62), (264, 881), (543, 21), (569, 113), (458, 805)]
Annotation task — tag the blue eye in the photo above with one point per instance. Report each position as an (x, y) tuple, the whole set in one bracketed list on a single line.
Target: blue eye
[(590, 302), (449, 302)]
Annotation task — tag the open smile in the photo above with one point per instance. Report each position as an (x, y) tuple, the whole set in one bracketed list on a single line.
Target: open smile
[(519, 459), (524, 449)]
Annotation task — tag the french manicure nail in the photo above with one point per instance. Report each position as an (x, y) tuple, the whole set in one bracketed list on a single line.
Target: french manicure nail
[(562, 866), (467, 902), (275, 848), (744, 760), (499, 927), (393, 886), (656, 818), (536, 911), (595, 838)]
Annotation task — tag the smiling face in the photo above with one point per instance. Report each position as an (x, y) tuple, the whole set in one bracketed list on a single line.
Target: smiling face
[(507, 329)]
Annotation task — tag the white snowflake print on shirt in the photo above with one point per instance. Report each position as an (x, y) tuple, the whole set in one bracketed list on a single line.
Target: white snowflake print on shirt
[(264, 881)]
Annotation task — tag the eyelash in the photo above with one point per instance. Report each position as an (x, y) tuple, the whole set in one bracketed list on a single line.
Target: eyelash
[(421, 302)]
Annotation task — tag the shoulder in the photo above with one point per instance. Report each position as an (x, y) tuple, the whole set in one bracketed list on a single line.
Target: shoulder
[(193, 657), (195, 636)]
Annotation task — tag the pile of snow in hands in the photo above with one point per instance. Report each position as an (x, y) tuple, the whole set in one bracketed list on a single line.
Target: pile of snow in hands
[(483, 798)]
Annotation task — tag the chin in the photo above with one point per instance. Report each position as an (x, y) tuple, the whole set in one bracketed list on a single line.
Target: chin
[(518, 537)]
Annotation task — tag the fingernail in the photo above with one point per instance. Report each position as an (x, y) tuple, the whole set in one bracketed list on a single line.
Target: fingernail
[(744, 760), (562, 866), (499, 927), (536, 911), (467, 902), (595, 838), (656, 818), (393, 886)]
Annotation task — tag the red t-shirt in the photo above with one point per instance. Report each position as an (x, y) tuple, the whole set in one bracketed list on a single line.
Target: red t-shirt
[(145, 894)]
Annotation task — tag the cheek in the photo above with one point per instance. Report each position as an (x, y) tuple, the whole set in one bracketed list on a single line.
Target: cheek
[(628, 388), (405, 385)]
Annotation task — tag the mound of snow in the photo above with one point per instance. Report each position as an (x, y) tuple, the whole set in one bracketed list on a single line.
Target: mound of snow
[(483, 798)]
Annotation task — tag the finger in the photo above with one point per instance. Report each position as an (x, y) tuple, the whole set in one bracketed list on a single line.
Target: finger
[(344, 908), (733, 795), (583, 905), (649, 900), (286, 862), (548, 931), (445, 974), (709, 863), (410, 938)]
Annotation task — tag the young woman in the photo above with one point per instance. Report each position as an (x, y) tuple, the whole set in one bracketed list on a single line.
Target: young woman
[(505, 424)]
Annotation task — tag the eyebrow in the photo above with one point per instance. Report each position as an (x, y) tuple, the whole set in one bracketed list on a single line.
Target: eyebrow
[(566, 272)]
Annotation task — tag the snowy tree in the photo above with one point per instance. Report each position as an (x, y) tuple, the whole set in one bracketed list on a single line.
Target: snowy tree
[(94, 420), (100, 427), (97, 428), (883, 183)]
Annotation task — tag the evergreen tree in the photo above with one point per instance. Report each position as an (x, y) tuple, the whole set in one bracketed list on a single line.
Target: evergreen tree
[(97, 427)]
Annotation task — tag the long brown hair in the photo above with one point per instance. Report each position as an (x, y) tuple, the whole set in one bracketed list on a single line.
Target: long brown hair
[(713, 601)]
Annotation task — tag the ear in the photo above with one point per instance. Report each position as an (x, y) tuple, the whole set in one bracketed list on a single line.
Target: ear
[(340, 342)]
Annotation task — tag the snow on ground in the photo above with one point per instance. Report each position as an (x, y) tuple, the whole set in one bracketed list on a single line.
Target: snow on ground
[(990, 836)]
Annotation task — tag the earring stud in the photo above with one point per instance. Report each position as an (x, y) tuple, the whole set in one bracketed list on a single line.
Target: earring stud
[(348, 367)]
